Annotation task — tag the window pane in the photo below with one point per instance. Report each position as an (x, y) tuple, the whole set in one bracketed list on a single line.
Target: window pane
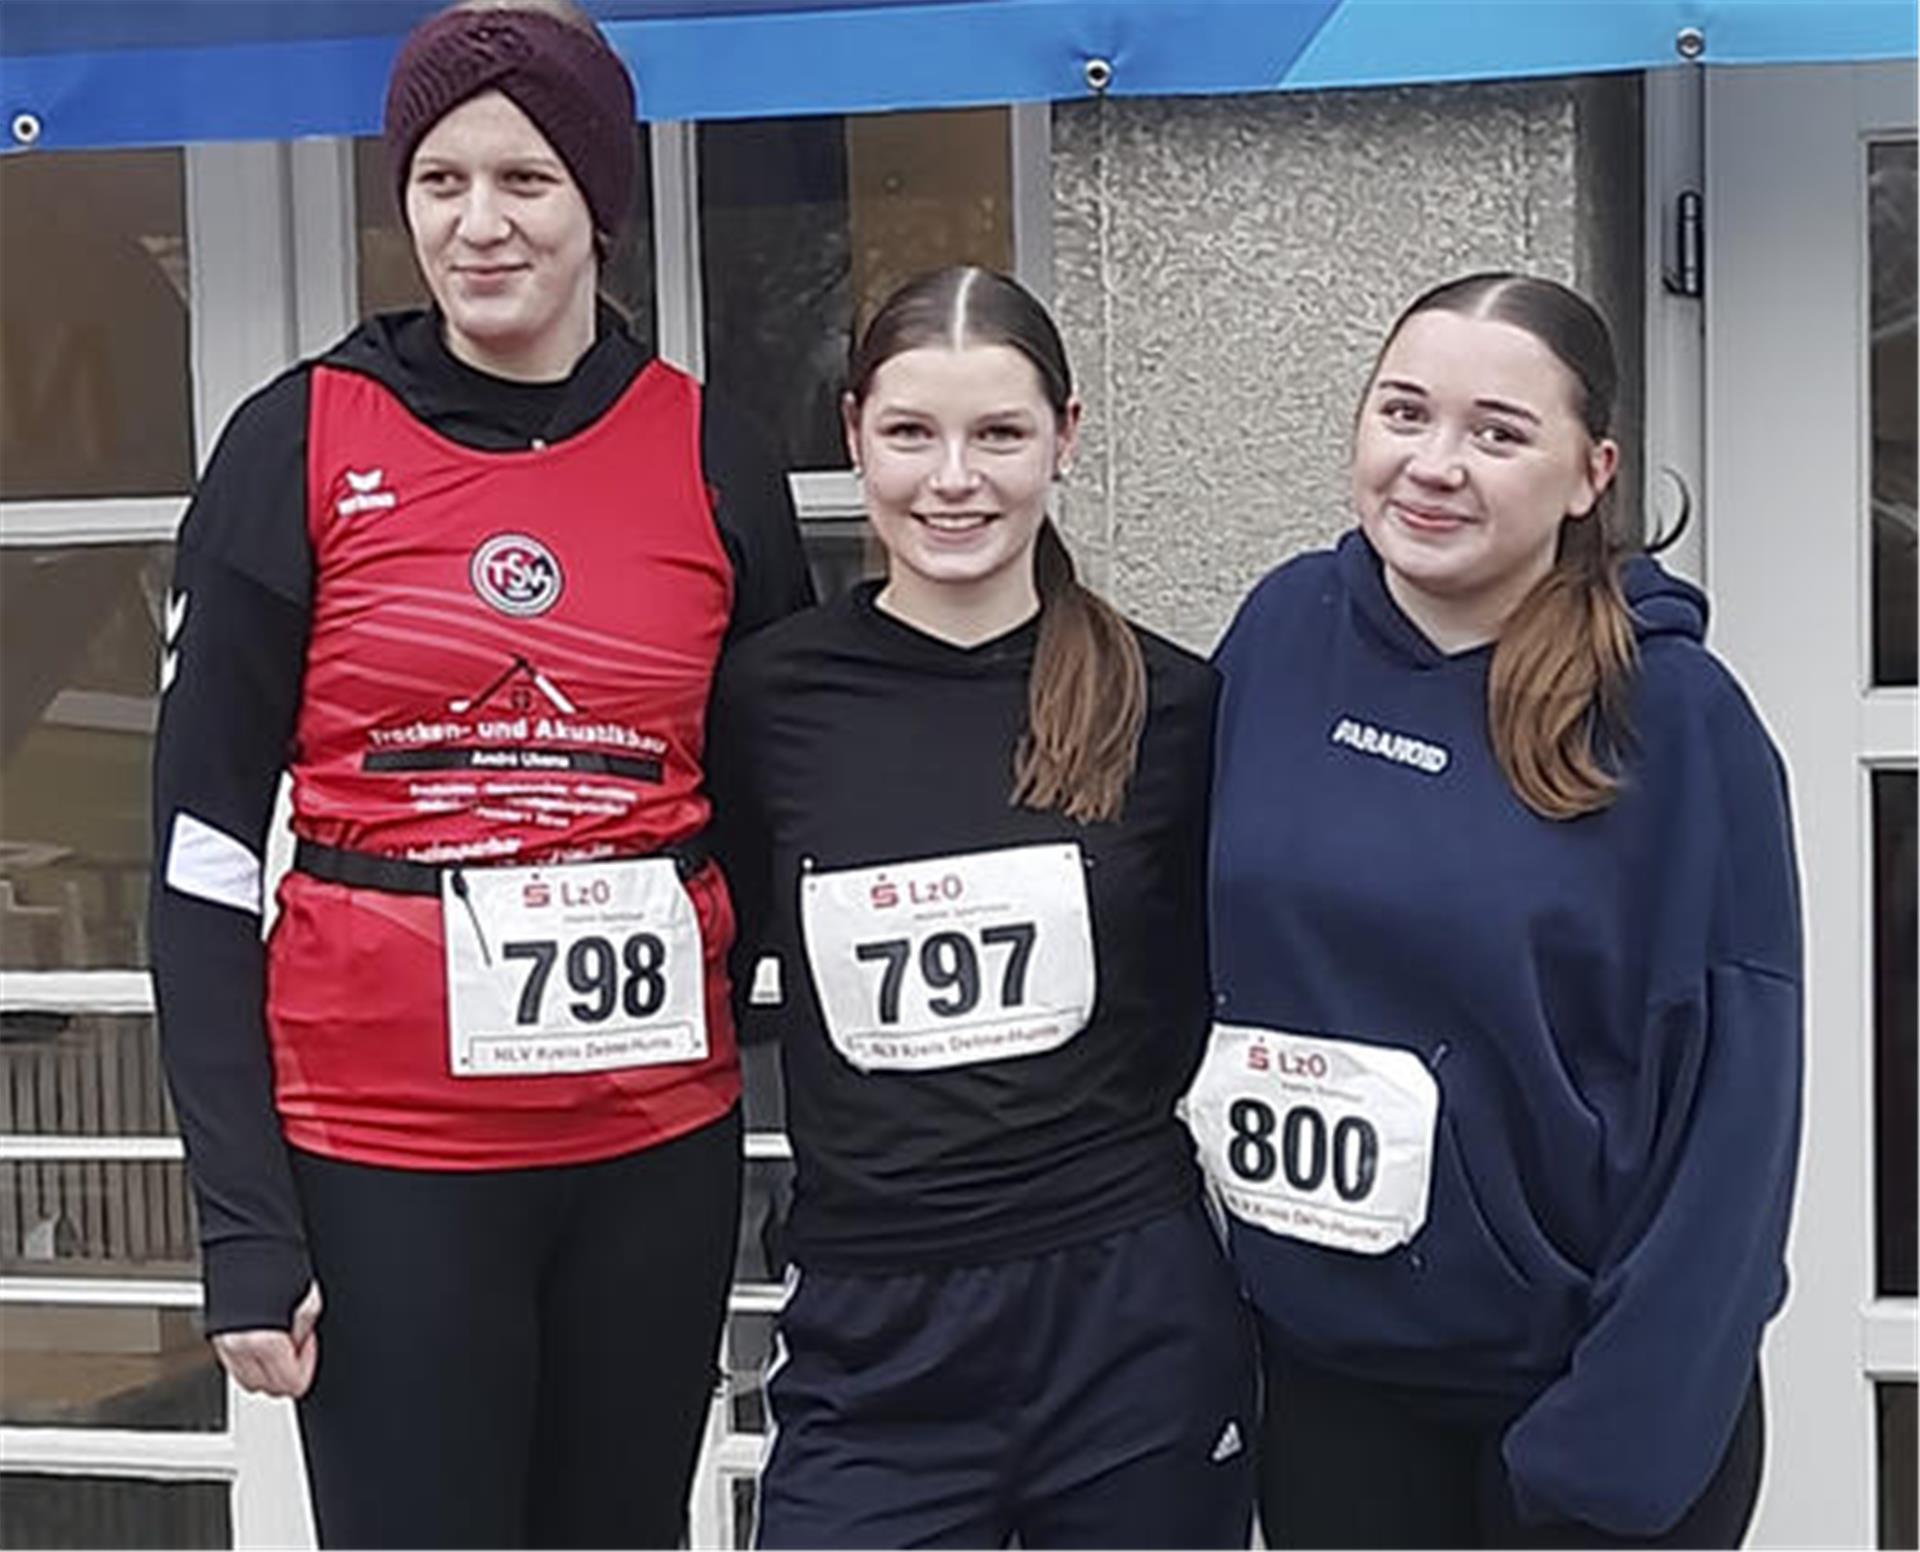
[(390, 280), (82, 1075), (94, 393), (61, 1511), (79, 660), (746, 1499), (89, 1075), (765, 1202), (807, 224), (764, 1100), (99, 1366), (749, 1347), (1896, 1140), (840, 552), (1891, 232), (96, 1219), (1898, 1527)]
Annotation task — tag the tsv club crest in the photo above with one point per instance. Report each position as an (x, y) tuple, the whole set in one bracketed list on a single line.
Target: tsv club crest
[(518, 575)]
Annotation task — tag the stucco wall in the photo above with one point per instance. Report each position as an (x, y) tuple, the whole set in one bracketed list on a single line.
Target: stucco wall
[(1225, 267)]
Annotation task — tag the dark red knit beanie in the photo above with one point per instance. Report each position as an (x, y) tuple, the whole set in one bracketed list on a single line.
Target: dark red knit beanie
[(565, 78)]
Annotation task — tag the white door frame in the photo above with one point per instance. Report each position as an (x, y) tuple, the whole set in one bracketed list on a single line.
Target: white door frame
[(1786, 552)]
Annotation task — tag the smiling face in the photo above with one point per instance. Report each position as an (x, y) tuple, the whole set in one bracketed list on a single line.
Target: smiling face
[(1469, 454), (505, 241), (957, 447)]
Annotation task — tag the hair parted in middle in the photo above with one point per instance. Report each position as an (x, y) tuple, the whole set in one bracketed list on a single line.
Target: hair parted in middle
[(1557, 685), (1087, 691)]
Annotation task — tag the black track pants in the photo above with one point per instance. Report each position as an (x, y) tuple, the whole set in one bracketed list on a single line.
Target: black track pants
[(1101, 1395), (517, 1357), (1345, 1463)]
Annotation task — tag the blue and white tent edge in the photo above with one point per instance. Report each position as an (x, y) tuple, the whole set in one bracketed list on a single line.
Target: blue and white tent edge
[(1381, 42), (777, 57)]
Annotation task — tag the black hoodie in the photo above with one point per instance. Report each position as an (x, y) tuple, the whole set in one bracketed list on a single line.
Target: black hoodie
[(845, 739)]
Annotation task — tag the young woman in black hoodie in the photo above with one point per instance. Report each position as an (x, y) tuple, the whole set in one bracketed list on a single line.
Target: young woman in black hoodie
[(967, 815)]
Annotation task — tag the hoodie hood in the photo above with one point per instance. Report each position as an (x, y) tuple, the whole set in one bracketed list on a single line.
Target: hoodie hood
[(1380, 618), (405, 353), (1661, 603)]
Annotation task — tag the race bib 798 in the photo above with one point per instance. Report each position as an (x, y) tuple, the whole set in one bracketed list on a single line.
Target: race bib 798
[(576, 968)]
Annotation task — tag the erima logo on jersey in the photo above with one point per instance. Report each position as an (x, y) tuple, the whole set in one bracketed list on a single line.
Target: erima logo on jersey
[(364, 493), (1397, 747), (1228, 1444), (518, 575), (176, 622)]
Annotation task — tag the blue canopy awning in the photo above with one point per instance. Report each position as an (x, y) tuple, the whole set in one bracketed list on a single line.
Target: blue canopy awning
[(156, 72)]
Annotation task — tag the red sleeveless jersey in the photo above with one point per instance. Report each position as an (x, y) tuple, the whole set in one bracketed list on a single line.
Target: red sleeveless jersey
[(509, 662)]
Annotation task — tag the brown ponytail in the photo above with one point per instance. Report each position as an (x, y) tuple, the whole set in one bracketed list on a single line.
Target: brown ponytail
[(1087, 689), (1086, 696), (1557, 686)]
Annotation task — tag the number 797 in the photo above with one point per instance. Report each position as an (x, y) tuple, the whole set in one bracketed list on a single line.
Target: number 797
[(950, 967)]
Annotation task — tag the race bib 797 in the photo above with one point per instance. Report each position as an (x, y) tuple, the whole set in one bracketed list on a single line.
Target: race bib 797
[(948, 961)]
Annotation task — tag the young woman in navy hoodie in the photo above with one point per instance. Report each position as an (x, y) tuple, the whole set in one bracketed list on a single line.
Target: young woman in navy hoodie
[(1503, 1097)]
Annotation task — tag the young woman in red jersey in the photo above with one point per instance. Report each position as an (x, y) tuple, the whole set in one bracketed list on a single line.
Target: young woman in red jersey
[(464, 1133)]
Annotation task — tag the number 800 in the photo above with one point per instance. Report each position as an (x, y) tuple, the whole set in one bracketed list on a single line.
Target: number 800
[(1306, 1150)]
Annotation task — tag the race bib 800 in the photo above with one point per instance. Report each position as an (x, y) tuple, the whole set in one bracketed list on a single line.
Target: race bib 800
[(948, 961), (1312, 1138)]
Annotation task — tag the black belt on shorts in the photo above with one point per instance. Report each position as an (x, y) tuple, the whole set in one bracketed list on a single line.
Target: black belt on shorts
[(400, 876)]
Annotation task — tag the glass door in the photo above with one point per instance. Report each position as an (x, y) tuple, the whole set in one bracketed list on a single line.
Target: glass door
[(1811, 563)]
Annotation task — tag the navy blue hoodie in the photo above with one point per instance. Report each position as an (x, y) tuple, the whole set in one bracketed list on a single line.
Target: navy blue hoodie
[(1610, 1008)]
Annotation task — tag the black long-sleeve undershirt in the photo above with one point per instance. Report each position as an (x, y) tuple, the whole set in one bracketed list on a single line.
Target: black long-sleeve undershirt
[(844, 738)]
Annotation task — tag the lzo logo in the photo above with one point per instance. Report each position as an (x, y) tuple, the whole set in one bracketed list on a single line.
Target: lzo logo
[(516, 574)]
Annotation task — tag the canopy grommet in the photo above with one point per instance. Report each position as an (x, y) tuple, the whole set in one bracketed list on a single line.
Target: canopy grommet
[(1099, 74), (1689, 43), (26, 129)]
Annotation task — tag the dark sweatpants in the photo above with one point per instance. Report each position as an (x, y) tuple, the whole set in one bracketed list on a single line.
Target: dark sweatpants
[(1345, 1463), (517, 1357), (1100, 1396)]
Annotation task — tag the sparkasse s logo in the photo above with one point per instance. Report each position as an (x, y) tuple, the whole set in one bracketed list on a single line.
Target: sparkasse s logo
[(518, 575)]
